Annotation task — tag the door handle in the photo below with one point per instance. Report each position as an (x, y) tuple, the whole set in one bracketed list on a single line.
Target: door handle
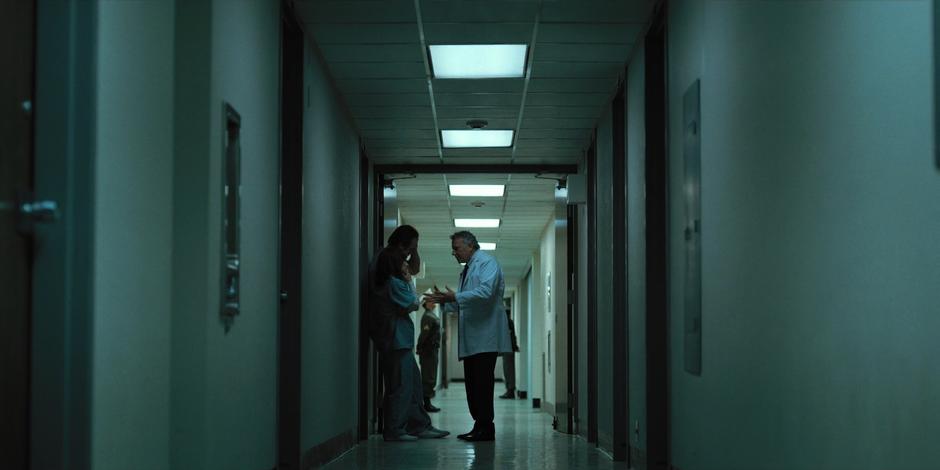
[(39, 211), (29, 212)]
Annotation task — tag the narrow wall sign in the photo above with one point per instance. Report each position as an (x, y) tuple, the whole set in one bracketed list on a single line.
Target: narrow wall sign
[(692, 189), (231, 215)]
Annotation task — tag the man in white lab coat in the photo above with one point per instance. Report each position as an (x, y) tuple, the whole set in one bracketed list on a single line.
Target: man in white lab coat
[(482, 328)]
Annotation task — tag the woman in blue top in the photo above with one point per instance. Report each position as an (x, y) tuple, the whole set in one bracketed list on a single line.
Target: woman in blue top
[(405, 417)]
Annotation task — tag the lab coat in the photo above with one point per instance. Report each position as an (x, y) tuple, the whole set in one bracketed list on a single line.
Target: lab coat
[(481, 321)]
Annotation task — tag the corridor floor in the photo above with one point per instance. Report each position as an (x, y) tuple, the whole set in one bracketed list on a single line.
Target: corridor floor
[(524, 439)]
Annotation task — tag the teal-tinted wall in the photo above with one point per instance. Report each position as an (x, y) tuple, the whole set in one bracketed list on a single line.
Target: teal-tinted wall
[(581, 412), (635, 113), (604, 280), (330, 319), (130, 409), (241, 380), (172, 389), (820, 225)]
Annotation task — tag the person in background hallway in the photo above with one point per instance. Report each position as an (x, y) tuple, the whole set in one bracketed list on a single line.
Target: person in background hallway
[(429, 350), (509, 361), (392, 297), (482, 330)]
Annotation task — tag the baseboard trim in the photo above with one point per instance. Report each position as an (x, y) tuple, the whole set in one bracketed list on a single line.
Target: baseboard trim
[(319, 455)]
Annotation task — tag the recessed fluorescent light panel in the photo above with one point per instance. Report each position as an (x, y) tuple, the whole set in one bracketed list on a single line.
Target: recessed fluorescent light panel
[(468, 138), (487, 246), (476, 223), (477, 190), (478, 60)]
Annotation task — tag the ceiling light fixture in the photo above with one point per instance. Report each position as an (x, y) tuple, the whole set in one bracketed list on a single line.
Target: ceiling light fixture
[(476, 223), (478, 190), (461, 138), (488, 246), (478, 60)]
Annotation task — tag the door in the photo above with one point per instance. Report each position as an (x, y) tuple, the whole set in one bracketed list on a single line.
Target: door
[(657, 254), (291, 239), (572, 318), (17, 57)]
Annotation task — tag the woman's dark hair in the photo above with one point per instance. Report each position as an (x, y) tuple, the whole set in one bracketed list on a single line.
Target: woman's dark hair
[(388, 265), (402, 236)]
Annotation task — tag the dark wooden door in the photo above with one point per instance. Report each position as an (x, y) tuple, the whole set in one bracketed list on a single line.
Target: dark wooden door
[(291, 239), (17, 57)]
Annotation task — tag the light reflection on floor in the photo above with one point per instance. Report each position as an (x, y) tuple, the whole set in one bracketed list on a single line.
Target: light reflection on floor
[(524, 439)]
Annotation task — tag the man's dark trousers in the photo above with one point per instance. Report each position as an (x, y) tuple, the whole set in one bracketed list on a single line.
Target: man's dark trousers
[(478, 376), (429, 372)]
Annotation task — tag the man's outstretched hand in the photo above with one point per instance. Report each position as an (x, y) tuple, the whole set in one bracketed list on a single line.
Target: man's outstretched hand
[(443, 297)]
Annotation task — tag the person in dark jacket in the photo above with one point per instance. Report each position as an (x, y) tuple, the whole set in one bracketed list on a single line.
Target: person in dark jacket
[(509, 361), (391, 298), (429, 350)]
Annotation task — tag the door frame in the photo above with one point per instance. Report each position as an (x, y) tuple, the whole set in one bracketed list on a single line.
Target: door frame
[(572, 319), (379, 173), (291, 241), (63, 273), (657, 245), (591, 157), (366, 350), (16, 182), (621, 360)]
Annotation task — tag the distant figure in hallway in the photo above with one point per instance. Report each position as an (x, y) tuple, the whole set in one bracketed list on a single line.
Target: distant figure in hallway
[(392, 298), (509, 361), (429, 350), (482, 330)]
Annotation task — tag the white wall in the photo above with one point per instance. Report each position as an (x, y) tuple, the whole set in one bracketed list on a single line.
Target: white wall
[(549, 312), (536, 327), (819, 236), (546, 277), (582, 353), (521, 318)]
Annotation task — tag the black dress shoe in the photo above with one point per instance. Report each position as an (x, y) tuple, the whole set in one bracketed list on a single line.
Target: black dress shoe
[(429, 407), (464, 435), (481, 436), (511, 393)]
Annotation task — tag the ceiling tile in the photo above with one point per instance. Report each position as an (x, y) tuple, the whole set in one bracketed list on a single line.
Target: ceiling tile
[(583, 52), (478, 33), (348, 11), (372, 53), (388, 99), (577, 33), (346, 33), (495, 85), (379, 85), (597, 11), (475, 12), (343, 70), (547, 69)]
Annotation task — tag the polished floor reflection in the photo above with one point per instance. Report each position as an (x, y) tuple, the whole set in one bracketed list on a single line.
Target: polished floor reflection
[(524, 439)]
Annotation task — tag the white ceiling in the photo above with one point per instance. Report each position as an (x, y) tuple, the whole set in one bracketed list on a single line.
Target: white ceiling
[(375, 51), (524, 210)]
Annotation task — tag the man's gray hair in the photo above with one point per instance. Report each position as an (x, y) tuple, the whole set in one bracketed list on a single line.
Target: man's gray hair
[(467, 238)]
